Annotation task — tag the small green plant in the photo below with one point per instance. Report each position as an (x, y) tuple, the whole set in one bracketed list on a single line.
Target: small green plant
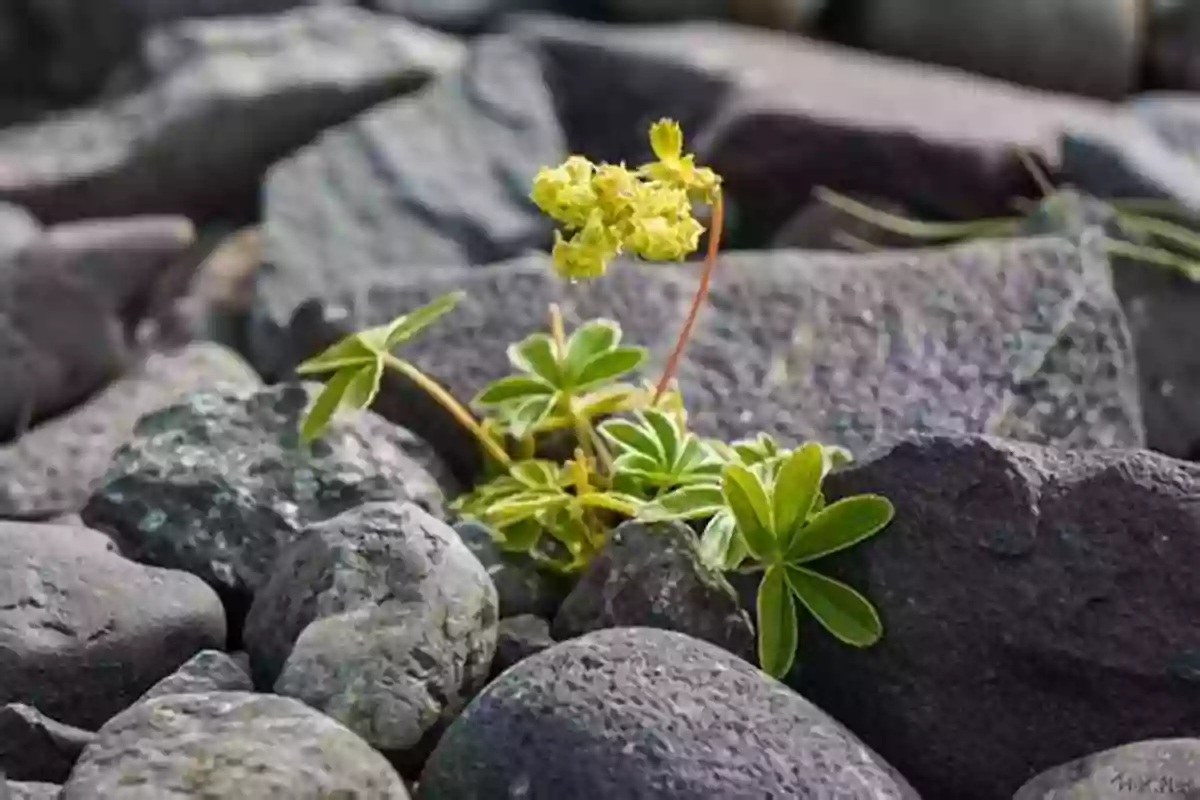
[(759, 506)]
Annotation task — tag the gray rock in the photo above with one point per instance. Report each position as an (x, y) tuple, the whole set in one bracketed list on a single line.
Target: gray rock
[(234, 745), (380, 618), (34, 747), (267, 84), (651, 576), (1037, 604), (518, 638), (1087, 47), (1165, 769), (639, 713), (58, 464), (20, 790), (438, 179), (855, 350), (18, 227), (207, 671), (820, 226), (70, 300), (86, 631), (790, 15), (218, 483), (463, 16), (520, 585)]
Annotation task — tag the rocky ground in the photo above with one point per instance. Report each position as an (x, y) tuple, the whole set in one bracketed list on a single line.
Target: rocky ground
[(196, 195)]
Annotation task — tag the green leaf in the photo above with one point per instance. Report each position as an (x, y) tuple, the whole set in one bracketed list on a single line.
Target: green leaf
[(778, 634), (796, 487), (693, 455), (606, 400), (516, 387), (530, 414), (747, 499), (349, 352), (666, 432), (611, 501), (535, 355), (641, 466), (569, 529), (631, 438), (836, 457), (608, 366), (536, 474), (524, 506), (363, 387), (688, 502), (520, 537), (842, 611), (325, 405), (405, 327), (720, 546), (588, 341), (838, 526)]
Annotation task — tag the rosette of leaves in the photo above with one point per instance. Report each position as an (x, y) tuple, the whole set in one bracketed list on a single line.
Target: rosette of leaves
[(782, 524), (564, 385)]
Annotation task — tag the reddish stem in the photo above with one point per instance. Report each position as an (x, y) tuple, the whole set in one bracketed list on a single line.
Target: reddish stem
[(710, 262)]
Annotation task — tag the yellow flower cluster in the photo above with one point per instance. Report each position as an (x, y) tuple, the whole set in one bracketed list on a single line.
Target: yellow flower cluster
[(610, 209)]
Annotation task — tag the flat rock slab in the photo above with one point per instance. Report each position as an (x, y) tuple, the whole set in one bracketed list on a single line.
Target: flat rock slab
[(224, 99), (229, 744), (437, 179), (1037, 604), (207, 671), (57, 465), (645, 714), (84, 631), (1021, 337), (1164, 769)]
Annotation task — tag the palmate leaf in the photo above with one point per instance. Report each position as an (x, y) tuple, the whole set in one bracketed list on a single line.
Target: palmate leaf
[(588, 341), (352, 351), (409, 325), (720, 545), (839, 526), (840, 609), (351, 387), (516, 387), (699, 501), (778, 632), (747, 500), (608, 366), (795, 490), (535, 356)]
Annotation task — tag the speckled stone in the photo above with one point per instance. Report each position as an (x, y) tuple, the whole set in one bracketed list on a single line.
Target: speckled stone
[(1163, 769), (218, 483), (207, 671)]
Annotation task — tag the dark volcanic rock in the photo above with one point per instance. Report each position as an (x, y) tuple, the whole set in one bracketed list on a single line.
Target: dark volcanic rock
[(223, 100), (1037, 604), (34, 747), (642, 714), (1166, 768)]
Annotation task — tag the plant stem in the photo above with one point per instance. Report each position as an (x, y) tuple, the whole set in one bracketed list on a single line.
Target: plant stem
[(447, 401), (710, 262)]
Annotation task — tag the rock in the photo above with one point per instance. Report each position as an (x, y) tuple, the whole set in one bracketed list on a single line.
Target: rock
[(1022, 336), (789, 15), (519, 638), (1078, 46), (34, 747), (86, 631), (1042, 590), (18, 228), (1153, 769), (380, 618), (268, 84), (939, 141), (639, 713), (820, 226), (70, 300), (520, 585), (651, 576), (19, 790), (464, 16), (207, 671), (219, 483), (229, 744), (1173, 41), (57, 465), (438, 179)]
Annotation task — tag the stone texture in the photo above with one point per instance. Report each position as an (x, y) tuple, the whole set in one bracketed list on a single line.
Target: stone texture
[(218, 483), (518, 638), (1037, 604), (1086, 47), (71, 299), (438, 179), (651, 576), (55, 466), (855, 350), (382, 619), (207, 671), (20, 790), (267, 84), (1173, 46), (1151, 770), (35, 748), (84, 631), (229, 744), (520, 585), (638, 713), (466, 16), (18, 228)]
